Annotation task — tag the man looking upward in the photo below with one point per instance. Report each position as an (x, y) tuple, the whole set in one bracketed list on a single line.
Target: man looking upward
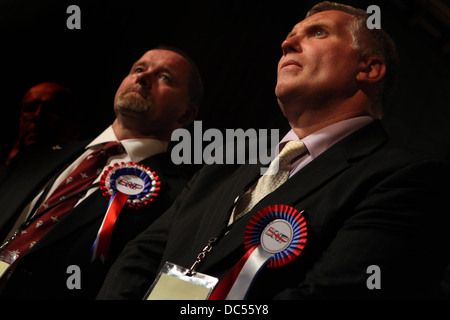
[(354, 199)]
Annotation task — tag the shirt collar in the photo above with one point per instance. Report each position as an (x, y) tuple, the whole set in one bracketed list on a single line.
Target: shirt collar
[(137, 149), (319, 141)]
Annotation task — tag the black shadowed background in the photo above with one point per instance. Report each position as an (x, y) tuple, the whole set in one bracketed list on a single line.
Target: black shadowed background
[(236, 45)]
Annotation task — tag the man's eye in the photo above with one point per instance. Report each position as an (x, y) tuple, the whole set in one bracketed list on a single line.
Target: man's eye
[(138, 70), (30, 107), (164, 77), (319, 33)]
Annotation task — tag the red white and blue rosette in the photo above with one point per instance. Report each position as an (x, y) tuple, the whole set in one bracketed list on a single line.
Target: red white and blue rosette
[(139, 182), (280, 230), (275, 236), (131, 184)]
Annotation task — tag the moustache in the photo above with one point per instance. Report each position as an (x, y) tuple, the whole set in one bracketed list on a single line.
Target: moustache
[(138, 89)]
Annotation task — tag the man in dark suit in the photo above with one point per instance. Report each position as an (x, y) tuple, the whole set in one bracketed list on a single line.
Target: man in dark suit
[(375, 213), (160, 94)]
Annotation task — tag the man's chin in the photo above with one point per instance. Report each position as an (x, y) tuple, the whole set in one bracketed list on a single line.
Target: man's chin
[(132, 103), (134, 111)]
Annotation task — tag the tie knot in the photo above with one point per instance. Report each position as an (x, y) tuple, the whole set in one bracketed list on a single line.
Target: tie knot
[(112, 148), (291, 150)]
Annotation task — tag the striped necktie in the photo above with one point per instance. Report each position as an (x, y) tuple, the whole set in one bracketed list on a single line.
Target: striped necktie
[(275, 176)]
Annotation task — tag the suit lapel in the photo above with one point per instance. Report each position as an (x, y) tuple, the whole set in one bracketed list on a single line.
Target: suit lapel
[(29, 180), (324, 168), (220, 204)]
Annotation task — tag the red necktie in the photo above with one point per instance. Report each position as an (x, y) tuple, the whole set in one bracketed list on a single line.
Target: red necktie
[(60, 202)]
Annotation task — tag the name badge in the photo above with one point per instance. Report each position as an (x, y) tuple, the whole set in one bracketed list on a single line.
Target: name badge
[(7, 258), (177, 283)]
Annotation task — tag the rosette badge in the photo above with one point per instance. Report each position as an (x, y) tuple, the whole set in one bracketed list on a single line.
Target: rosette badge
[(280, 230), (123, 184), (275, 236), (140, 183)]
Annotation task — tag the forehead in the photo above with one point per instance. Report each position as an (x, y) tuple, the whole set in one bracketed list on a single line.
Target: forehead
[(337, 21), (43, 92), (164, 58)]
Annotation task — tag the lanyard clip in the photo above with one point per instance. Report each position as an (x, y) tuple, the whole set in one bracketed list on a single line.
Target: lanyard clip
[(200, 257), (11, 239)]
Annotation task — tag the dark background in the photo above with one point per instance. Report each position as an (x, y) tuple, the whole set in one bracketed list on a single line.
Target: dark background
[(236, 45)]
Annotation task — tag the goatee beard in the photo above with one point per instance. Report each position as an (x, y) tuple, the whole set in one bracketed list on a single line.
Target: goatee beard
[(132, 101)]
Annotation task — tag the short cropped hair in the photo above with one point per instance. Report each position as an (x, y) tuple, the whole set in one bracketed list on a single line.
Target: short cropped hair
[(369, 43)]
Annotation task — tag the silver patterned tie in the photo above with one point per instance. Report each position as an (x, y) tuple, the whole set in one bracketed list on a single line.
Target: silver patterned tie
[(275, 176)]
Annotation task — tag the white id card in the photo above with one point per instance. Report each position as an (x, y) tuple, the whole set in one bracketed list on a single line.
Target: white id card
[(173, 283), (7, 258)]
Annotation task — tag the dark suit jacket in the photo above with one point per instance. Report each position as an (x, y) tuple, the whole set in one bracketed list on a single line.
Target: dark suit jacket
[(366, 201), (42, 272)]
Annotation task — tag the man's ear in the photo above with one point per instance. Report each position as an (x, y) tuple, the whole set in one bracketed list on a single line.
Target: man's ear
[(189, 115), (372, 70)]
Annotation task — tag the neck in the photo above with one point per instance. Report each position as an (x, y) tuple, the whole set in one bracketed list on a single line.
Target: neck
[(123, 132), (307, 127), (306, 120)]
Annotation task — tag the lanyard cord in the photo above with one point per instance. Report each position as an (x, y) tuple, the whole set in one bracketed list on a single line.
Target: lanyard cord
[(208, 248)]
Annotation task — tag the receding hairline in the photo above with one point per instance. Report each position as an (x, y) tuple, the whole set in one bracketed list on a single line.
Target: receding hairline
[(322, 21)]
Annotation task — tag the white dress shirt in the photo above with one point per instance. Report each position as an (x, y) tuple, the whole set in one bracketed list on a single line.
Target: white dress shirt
[(319, 141)]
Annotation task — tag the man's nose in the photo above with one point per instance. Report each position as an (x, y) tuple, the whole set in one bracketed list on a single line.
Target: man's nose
[(144, 79), (291, 44)]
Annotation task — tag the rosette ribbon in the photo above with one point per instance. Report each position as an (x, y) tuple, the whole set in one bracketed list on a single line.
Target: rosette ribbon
[(274, 237), (130, 184)]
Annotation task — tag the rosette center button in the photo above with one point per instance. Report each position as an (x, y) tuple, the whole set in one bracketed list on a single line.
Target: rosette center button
[(129, 184), (277, 236)]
